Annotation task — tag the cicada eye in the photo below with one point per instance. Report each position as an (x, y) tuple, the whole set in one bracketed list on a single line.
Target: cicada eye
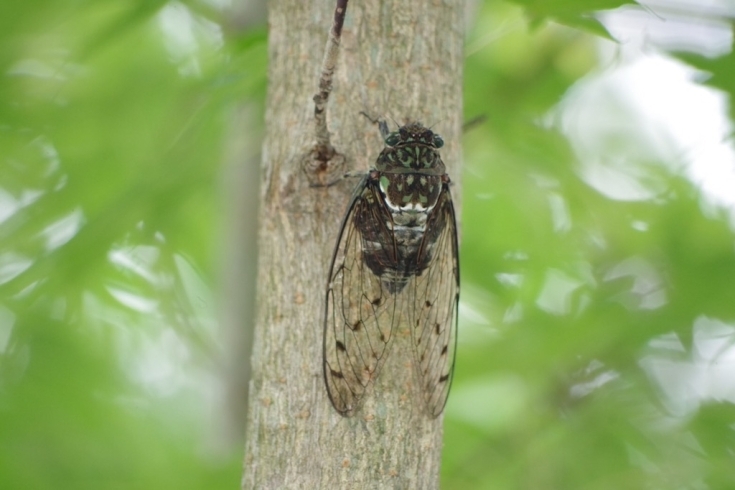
[(392, 139), (438, 141)]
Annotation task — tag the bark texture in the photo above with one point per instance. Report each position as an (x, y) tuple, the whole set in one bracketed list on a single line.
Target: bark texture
[(401, 60)]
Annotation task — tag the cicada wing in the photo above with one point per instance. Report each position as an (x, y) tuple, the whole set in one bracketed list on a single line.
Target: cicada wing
[(433, 306), (361, 313)]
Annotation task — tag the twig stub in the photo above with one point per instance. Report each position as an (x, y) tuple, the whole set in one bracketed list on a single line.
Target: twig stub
[(324, 152)]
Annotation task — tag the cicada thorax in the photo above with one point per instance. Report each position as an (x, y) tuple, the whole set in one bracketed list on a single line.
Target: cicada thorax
[(407, 184)]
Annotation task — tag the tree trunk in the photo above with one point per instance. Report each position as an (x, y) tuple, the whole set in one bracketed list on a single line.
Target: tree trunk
[(401, 60)]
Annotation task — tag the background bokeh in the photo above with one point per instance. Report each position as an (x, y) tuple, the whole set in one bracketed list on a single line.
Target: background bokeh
[(597, 320)]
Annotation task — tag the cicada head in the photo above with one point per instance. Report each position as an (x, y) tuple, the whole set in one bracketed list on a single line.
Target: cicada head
[(413, 148)]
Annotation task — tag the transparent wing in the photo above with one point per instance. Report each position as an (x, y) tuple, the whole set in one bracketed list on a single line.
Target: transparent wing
[(361, 313), (433, 306)]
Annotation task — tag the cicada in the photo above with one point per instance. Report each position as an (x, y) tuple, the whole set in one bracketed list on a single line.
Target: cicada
[(395, 265)]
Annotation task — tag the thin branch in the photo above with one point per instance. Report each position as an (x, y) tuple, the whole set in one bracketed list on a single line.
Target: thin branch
[(475, 121)]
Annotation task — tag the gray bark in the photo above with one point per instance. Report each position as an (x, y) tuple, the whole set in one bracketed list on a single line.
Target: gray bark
[(402, 60)]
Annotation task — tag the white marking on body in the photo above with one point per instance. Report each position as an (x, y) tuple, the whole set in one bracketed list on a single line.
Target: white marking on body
[(415, 207), (405, 228), (372, 246), (392, 207)]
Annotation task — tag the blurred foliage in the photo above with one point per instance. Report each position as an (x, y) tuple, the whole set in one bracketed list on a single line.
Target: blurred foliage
[(594, 334), (113, 117), (595, 330)]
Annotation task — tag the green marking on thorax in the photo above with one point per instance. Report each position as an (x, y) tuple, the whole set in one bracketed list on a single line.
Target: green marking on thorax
[(406, 158), (384, 183)]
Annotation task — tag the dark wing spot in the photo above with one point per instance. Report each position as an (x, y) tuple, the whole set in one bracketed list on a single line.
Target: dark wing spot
[(444, 350), (443, 379), (417, 323), (438, 329), (341, 346), (382, 337), (428, 303), (336, 374), (356, 326), (377, 301)]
